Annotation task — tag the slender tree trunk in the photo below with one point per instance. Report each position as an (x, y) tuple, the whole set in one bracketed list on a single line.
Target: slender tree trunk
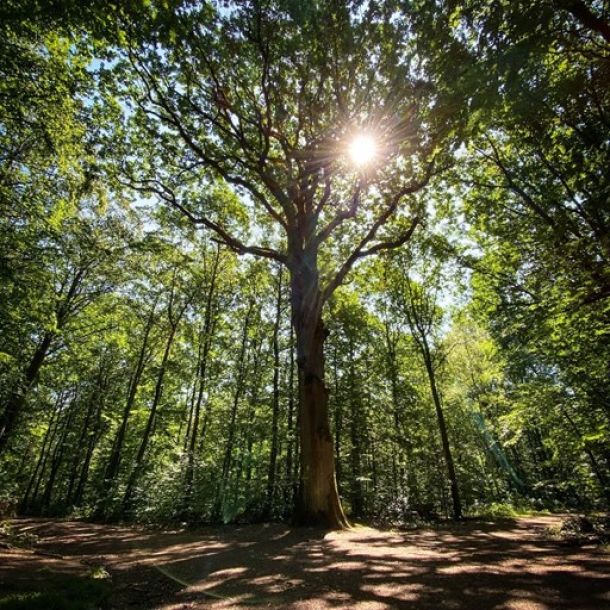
[(190, 403), (455, 494), (193, 433), (16, 399), (357, 495), (92, 438), (112, 467), (245, 454), (239, 388), (58, 456), (291, 488), (595, 466), (338, 418), (318, 502), (398, 432), (205, 344), (272, 470), (150, 423), (47, 441), (43, 466), (82, 441)]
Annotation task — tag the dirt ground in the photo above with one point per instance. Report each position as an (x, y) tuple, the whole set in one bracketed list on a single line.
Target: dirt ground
[(476, 565)]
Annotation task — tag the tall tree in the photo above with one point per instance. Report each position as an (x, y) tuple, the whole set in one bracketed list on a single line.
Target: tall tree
[(246, 113), (418, 303)]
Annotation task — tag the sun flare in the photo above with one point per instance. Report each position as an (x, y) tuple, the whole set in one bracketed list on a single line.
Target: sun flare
[(362, 150)]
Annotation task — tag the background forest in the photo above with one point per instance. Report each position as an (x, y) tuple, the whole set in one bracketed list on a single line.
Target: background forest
[(147, 365)]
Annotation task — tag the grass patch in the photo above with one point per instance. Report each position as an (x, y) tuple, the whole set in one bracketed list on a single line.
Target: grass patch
[(507, 511)]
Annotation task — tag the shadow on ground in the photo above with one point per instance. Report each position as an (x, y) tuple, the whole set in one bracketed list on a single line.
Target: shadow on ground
[(510, 565)]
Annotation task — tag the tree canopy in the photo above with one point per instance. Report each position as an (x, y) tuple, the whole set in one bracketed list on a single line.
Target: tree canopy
[(212, 309)]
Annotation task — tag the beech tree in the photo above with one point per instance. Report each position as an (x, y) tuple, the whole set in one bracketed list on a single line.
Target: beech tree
[(301, 134)]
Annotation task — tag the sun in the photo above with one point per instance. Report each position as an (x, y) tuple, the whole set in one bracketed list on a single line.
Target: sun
[(362, 150)]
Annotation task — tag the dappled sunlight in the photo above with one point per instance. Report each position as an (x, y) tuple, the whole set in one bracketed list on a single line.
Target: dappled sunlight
[(461, 566)]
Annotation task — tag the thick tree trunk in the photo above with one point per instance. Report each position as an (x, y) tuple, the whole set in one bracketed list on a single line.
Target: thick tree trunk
[(318, 501)]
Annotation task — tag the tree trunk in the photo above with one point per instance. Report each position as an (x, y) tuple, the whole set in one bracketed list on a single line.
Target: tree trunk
[(291, 488), (357, 491), (205, 344), (92, 438), (318, 501), (112, 467), (16, 399), (58, 455), (77, 459), (218, 511), (398, 433), (338, 417), (455, 494), (246, 449), (150, 423), (270, 494), (47, 441)]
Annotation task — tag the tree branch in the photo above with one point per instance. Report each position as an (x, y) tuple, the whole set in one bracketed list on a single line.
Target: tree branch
[(360, 251), (586, 17), (340, 216), (223, 236)]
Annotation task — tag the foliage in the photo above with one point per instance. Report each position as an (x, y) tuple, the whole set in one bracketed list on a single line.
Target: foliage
[(148, 372)]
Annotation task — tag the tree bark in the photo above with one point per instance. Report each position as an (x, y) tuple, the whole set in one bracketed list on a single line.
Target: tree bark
[(17, 398), (58, 454), (92, 438), (318, 501), (338, 414), (77, 458)]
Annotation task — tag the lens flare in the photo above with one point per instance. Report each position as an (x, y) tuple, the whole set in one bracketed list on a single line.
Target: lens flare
[(362, 150)]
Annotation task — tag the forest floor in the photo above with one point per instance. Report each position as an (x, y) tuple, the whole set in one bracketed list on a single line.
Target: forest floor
[(475, 565)]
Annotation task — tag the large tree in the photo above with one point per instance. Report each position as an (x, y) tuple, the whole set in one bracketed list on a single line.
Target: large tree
[(242, 116)]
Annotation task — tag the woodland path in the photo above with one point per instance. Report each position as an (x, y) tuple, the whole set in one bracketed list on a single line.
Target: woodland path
[(476, 565)]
